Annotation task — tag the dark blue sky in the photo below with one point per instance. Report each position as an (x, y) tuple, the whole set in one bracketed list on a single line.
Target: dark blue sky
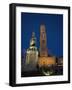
[(54, 30)]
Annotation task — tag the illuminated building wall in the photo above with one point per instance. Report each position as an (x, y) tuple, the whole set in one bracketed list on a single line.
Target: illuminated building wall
[(44, 59), (32, 54), (43, 41)]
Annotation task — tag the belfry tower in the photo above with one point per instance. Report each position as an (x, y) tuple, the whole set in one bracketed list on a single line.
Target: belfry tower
[(44, 59), (43, 41)]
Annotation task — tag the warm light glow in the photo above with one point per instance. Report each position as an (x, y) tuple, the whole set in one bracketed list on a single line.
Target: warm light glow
[(46, 61)]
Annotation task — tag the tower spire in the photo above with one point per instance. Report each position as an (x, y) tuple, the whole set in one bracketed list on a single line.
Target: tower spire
[(33, 40)]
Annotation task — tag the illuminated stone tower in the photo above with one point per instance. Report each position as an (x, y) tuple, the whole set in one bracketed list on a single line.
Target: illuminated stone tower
[(43, 41), (32, 54)]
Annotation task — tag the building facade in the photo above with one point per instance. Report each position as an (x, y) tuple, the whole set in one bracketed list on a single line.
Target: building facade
[(44, 59), (32, 54), (43, 41)]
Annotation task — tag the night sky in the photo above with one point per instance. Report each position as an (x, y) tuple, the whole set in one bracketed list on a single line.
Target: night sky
[(54, 30)]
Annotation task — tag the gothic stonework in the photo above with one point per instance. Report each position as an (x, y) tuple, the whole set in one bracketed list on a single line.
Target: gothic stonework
[(44, 60), (43, 41), (32, 54)]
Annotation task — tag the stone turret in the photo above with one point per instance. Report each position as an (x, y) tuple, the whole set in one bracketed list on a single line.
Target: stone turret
[(32, 54)]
